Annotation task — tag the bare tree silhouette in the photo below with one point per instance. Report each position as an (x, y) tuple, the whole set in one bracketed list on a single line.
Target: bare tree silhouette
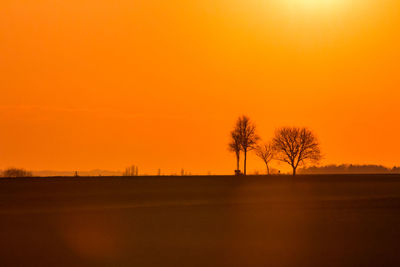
[(266, 152), (131, 171), (235, 146), (247, 135), (295, 146)]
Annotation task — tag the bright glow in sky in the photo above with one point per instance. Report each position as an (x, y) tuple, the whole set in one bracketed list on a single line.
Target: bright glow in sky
[(104, 84), (315, 5)]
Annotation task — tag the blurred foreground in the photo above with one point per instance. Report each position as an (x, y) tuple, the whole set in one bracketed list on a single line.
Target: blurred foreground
[(342, 220)]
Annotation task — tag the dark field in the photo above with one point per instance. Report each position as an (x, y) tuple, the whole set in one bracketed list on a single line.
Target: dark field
[(345, 220)]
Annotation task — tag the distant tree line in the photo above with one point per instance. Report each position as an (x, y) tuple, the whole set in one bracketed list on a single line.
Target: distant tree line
[(16, 172), (348, 168), (292, 145)]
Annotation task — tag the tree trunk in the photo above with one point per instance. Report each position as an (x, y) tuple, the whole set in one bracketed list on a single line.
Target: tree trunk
[(245, 161), (237, 161), (294, 171), (267, 169)]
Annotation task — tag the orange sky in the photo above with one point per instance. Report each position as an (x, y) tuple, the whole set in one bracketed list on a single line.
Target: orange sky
[(104, 84)]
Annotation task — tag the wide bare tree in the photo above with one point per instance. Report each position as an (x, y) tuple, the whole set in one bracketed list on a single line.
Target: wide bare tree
[(248, 137), (235, 146), (266, 152), (296, 146)]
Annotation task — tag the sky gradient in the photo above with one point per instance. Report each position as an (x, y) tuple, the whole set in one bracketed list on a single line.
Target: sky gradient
[(104, 84)]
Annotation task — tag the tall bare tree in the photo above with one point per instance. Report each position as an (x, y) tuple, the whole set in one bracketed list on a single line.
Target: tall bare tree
[(235, 146), (296, 146), (131, 171), (246, 130), (266, 153)]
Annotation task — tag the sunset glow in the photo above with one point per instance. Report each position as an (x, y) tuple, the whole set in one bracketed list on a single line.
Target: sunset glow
[(316, 5), (102, 84)]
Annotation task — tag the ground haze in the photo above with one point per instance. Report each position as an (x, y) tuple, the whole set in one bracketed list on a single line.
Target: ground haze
[(342, 220)]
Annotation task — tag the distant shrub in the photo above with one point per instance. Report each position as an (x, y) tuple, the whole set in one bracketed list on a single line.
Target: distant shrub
[(15, 172)]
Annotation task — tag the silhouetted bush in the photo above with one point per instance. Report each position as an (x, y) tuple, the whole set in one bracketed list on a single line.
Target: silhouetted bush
[(15, 172)]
